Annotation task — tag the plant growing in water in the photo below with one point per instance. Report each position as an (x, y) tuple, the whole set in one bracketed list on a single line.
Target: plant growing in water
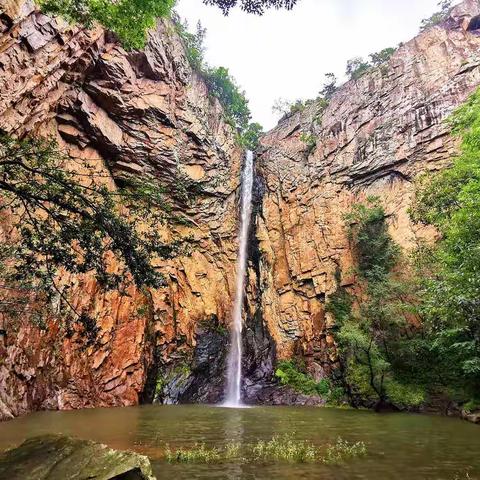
[(282, 448)]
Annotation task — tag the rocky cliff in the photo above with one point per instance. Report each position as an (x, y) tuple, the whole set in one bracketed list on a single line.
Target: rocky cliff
[(148, 114), (375, 136), (140, 113)]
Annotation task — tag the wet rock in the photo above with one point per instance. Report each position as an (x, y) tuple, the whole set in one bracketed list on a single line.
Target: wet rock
[(57, 457), (473, 417), (274, 394)]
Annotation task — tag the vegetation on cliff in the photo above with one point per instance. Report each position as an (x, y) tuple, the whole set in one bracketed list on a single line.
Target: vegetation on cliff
[(70, 218), (450, 201), (221, 85), (131, 20), (437, 17), (375, 329), (293, 374), (403, 336)]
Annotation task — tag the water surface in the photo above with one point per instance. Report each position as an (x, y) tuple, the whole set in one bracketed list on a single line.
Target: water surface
[(400, 446)]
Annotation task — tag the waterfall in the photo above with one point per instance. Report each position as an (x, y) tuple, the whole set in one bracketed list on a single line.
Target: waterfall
[(234, 360)]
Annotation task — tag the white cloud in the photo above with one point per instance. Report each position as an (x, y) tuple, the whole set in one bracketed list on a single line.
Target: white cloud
[(286, 54)]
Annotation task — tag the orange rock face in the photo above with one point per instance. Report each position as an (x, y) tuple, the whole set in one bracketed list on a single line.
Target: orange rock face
[(147, 113), (126, 114), (375, 136)]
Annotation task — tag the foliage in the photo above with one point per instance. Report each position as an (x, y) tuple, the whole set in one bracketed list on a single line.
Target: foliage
[(198, 453), (130, 20), (450, 201), (279, 448), (286, 108), (289, 374), (340, 304), (472, 406), (379, 349), (375, 250), (257, 7), (251, 136), (222, 86), (329, 86), (285, 448), (382, 56), (342, 450), (356, 68), (437, 17), (309, 140), (72, 221), (194, 43)]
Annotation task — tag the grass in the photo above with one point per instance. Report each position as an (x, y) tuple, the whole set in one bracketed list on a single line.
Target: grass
[(284, 448), (343, 450), (280, 448), (200, 453)]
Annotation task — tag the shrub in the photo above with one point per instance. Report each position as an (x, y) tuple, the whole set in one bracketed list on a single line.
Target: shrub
[(382, 56), (437, 17), (375, 250), (310, 141), (356, 68), (130, 20), (289, 374)]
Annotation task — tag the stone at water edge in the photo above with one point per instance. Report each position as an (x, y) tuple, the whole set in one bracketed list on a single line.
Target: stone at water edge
[(58, 457)]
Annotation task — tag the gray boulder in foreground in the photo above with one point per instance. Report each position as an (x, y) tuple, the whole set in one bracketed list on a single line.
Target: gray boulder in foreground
[(57, 457)]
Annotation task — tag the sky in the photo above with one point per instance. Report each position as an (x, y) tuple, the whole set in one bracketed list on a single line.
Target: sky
[(285, 54)]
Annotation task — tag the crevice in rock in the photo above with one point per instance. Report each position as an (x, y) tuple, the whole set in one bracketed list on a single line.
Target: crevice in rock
[(474, 24), (259, 347)]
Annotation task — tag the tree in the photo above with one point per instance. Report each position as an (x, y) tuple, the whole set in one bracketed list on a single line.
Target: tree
[(194, 42), (72, 221), (251, 6), (130, 20), (376, 252), (437, 17), (356, 67), (379, 347), (222, 86), (251, 136), (382, 56), (284, 107), (329, 86), (450, 201)]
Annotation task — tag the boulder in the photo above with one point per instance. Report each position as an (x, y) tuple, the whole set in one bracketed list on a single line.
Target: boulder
[(58, 457)]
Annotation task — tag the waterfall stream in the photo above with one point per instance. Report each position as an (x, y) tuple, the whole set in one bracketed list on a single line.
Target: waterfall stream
[(234, 359)]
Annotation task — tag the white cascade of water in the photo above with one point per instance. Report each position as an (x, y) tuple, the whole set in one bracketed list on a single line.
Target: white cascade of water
[(234, 359)]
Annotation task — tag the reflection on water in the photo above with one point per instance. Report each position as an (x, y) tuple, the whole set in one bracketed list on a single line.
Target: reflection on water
[(400, 446)]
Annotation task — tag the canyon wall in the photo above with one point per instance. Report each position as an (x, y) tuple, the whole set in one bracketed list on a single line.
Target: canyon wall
[(148, 114), (375, 136), (139, 113)]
